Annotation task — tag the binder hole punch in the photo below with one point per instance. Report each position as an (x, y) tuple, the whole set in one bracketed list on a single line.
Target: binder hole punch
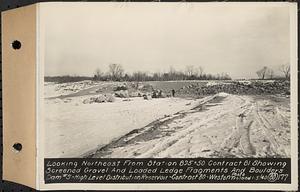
[(17, 147), (16, 44)]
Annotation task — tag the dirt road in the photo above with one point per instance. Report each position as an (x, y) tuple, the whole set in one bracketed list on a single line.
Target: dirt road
[(222, 125)]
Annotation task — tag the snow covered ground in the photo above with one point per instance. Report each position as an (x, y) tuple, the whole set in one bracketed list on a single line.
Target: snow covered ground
[(221, 125), (74, 128), (52, 89)]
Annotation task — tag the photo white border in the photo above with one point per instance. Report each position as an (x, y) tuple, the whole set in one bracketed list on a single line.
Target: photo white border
[(172, 186)]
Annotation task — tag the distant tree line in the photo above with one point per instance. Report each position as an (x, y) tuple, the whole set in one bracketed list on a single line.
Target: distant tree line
[(268, 73), (66, 78), (117, 73)]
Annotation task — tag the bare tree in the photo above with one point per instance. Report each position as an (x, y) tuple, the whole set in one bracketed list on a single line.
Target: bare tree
[(172, 73), (140, 76), (285, 69), (172, 70), (199, 71), (271, 73), (98, 74), (189, 70), (227, 76), (156, 76), (262, 72), (265, 73), (116, 71)]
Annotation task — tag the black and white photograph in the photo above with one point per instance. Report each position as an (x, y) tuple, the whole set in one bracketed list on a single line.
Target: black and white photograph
[(167, 81), (150, 95)]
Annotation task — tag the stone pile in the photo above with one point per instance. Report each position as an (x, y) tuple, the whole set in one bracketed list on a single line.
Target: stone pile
[(99, 99), (240, 88), (122, 94)]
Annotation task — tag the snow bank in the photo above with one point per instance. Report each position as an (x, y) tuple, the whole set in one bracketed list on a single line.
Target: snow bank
[(222, 94), (52, 89)]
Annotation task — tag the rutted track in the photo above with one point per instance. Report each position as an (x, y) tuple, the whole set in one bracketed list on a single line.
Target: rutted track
[(221, 126)]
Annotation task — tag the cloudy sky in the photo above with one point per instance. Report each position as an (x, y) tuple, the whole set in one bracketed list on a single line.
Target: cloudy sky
[(234, 38)]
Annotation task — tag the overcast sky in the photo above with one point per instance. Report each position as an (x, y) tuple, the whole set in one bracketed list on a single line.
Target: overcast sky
[(232, 38)]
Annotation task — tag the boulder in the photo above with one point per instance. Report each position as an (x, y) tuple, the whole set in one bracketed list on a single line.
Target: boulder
[(99, 99), (147, 96), (135, 94), (122, 87), (122, 94), (110, 98)]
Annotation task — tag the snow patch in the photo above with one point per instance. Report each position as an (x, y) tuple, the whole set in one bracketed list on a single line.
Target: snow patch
[(222, 94)]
